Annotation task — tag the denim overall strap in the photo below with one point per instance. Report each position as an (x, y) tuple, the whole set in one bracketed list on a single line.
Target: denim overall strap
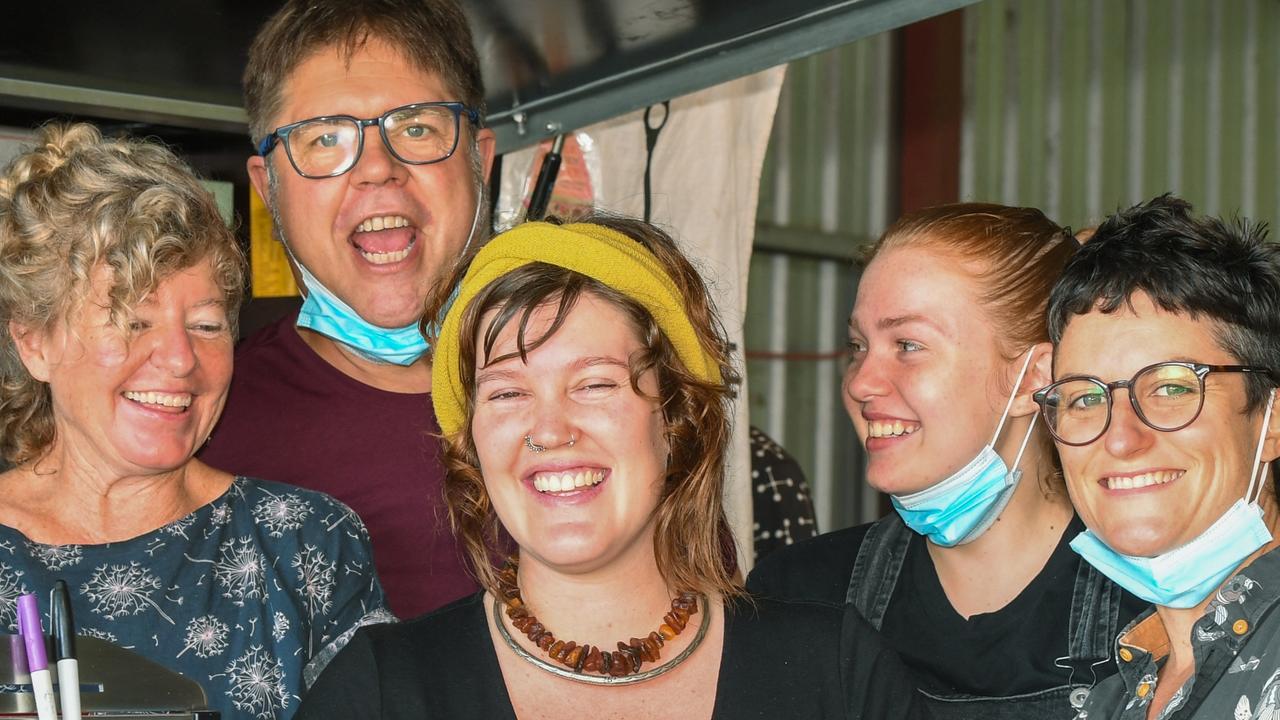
[(875, 570), (1095, 615), (1094, 624)]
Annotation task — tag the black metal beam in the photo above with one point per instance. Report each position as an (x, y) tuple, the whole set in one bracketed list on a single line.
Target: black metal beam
[(606, 96), (550, 65)]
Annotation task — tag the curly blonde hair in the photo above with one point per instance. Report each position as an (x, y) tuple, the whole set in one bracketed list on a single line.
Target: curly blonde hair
[(76, 202), (691, 536)]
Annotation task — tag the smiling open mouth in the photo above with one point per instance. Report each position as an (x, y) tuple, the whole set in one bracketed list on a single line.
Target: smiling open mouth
[(385, 239), (567, 481), (897, 428), (180, 401), (1133, 482)]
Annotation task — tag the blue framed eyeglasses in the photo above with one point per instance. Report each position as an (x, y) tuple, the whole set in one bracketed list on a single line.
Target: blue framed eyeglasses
[(417, 134)]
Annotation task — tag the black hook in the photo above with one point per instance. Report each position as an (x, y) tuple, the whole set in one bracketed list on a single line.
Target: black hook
[(651, 132)]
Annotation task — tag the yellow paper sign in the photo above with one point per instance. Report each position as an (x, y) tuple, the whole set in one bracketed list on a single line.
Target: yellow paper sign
[(268, 263)]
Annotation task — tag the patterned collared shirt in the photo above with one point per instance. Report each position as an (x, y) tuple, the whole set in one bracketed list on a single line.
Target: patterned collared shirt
[(1236, 647)]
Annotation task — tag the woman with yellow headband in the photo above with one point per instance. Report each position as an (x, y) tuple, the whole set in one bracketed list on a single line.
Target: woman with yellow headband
[(582, 383)]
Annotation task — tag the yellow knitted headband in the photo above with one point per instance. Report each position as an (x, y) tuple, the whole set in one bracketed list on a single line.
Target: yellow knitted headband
[(592, 250)]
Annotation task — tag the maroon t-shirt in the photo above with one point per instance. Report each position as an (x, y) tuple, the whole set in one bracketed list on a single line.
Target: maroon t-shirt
[(292, 417)]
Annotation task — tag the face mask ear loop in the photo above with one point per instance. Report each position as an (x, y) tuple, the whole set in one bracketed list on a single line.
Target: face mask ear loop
[(475, 220), (289, 251), (1257, 456), (280, 233), (1025, 441), (1013, 396)]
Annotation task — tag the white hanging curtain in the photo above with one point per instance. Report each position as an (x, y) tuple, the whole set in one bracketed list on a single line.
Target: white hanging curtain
[(705, 184)]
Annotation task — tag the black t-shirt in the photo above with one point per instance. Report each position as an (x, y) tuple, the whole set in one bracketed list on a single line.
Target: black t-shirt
[(780, 660), (1011, 651)]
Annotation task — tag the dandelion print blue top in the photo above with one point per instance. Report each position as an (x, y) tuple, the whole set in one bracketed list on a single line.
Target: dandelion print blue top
[(246, 595)]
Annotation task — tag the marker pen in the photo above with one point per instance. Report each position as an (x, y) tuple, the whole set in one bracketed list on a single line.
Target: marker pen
[(17, 654), (37, 659), (63, 627)]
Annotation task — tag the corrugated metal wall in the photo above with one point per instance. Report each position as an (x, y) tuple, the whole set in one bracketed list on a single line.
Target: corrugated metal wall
[(825, 187), (1083, 106)]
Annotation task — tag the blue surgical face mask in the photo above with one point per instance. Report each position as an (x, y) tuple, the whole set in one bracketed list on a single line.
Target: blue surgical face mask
[(1185, 576), (324, 312), (963, 505)]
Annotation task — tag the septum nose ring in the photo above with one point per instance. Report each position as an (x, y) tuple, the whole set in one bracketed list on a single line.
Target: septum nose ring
[(535, 447)]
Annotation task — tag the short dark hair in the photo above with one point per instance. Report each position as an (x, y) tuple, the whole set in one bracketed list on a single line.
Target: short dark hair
[(1225, 271), (433, 35)]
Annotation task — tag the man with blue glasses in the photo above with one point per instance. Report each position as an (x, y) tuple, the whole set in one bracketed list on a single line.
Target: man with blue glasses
[(366, 119)]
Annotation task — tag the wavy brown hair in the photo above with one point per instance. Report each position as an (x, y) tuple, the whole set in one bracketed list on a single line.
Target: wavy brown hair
[(690, 520), (76, 202)]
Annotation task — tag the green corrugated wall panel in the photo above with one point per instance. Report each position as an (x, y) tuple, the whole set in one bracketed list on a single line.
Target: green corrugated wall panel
[(1194, 141), (806, 154), (1112, 40), (1074, 124), (1230, 76), (757, 333), (1267, 83), (988, 105), (802, 334), (1206, 122), (837, 89), (1031, 58), (794, 393), (853, 194), (1155, 129)]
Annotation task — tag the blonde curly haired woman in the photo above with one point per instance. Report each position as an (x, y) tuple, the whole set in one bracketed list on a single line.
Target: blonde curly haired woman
[(119, 286)]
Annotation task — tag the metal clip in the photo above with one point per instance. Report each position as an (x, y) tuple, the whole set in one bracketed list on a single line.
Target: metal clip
[(1079, 693)]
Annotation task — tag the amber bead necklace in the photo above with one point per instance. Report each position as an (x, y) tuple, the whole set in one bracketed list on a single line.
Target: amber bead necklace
[(587, 663)]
